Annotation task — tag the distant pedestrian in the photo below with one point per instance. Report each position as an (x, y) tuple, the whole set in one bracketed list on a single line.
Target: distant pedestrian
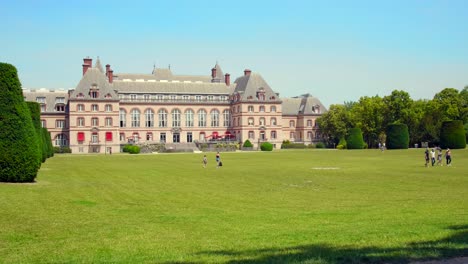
[(380, 146), (439, 156), (448, 157), (218, 160), (433, 160), (426, 156), (205, 161)]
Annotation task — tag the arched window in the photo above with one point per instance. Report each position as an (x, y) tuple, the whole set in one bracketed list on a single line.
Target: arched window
[(149, 118), (176, 118), (202, 118), (214, 118), (162, 115), (273, 121), (251, 121), (108, 108), (60, 140), (189, 118), (273, 108), (291, 123), (122, 118), (135, 118), (227, 118), (262, 121)]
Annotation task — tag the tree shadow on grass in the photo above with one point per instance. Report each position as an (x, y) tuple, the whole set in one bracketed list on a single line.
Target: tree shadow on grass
[(455, 245)]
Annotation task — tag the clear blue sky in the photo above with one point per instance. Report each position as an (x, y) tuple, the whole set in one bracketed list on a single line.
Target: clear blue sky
[(335, 50)]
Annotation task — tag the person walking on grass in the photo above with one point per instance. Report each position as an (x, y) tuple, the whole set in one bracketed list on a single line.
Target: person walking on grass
[(448, 157), (205, 161), (218, 160), (426, 156), (439, 156), (433, 160)]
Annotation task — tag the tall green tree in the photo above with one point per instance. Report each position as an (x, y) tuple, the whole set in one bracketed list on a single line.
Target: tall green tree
[(19, 150), (335, 123), (368, 115), (35, 110), (450, 103), (398, 107)]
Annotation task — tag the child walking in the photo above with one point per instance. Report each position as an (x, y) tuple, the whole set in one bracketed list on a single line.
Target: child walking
[(205, 161)]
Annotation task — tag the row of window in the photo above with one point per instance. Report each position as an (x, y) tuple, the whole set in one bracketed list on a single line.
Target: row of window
[(94, 108), (173, 97), (176, 118)]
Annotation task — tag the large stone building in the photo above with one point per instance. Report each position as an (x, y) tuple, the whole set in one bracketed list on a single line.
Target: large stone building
[(107, 110)]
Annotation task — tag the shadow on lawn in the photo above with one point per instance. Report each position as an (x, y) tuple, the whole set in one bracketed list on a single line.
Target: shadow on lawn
[(455, 245)]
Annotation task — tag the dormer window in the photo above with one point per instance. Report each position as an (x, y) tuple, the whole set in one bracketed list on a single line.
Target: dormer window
[(94, 91), (261, 94), (80, 95), (60, 107), (108, 95), (316, 109)]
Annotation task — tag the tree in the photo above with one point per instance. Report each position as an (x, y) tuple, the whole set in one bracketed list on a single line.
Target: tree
[(450, 103), (19, 150), (368, 115), (354, 139), (397, 136), (36, 118), (335, 123), (398, 107), (452, 135)]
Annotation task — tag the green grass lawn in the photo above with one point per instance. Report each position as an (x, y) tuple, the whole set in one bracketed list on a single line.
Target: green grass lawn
[(294, 206)]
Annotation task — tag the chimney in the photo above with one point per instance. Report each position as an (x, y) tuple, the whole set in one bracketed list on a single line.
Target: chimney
[(107, 68), (247, 72), (227, 79), (87, 63), (110, 75), (213, 73)]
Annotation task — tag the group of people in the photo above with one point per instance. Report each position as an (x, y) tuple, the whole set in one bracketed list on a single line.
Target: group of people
[(432, 158), (219, 163)]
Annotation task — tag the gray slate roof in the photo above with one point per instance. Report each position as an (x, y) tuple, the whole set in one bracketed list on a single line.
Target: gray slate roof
[(219, 73), (173, 87), (92, 77), (98, 65), (50, 97), (305, 104), (161, 74), (249, 85)]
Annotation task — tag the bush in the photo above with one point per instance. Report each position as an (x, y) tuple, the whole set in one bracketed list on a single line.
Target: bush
[(35, 110), (397, 136), (247, 144), (293, 146), (355, 140), (266, 146), (320, 145), (19, 147), (48, 142), (126, 148), (342, 142), (62, 150), (134, 150), (452, 135)]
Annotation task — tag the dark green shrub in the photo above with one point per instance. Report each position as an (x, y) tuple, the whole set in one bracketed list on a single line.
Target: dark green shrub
[(452, 135), (320, 145), (62, 150), (397, 136), (354, 139), (247, 144), (342, 143), (126, 148), (293, 146), (19, 151), (48, 142), (134, 149), (266, 146), (35, 110)]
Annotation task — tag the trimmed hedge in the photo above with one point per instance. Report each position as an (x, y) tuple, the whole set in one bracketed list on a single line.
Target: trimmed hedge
[(320, 145), (48, 142), (397, 136), (19, 147), (452, 135), (342, 144), (247, 144), (62, 150), (132, 149), (35, 110), (354, 139), (266, 146)]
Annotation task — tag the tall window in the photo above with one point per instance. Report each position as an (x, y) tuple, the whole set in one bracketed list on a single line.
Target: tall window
[(43, 123), (251, 135), (80, 108), (291, 135), (176, 118), (162, 118), (273, 121), (60, 140), (251, 121), (214, 118), (227, 118), (60, 123), (250, 108), (189, 118), (262, 121), (108, 121), (94, 108), (309, 134), (135, 118), (133, 97), (146, 97), (80, 121), (149, 118), (202, 118), (309, 123), (41, 100), (122, 118), (291, 123), (94, 122), (108, 108), (262, 108), (95, 138), (273, 108), (273, 134)]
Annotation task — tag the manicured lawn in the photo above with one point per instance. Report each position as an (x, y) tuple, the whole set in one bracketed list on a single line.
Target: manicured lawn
[(311, 206)]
